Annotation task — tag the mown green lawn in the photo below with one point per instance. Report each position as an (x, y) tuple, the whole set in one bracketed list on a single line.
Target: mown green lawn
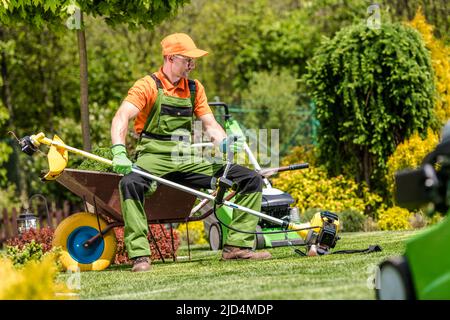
[(286, 276)]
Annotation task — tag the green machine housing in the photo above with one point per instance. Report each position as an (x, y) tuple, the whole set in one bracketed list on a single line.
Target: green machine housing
[(275, 203), (423, 271)]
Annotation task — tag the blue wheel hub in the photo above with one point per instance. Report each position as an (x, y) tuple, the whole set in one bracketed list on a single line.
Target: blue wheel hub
[(76, 249)]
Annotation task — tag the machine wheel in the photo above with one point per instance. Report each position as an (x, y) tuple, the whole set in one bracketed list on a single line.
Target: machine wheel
[(260, 242), (393, 280), (215, 237), (70, 235)]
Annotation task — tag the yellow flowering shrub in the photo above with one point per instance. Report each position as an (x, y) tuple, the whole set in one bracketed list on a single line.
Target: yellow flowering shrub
[(299, 154), (440, 60), (197, 233), (394, 218), (410, 154), (312, 188), (33, 281)]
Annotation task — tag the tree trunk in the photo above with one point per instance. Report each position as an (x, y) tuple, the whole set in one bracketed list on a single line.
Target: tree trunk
[(7, 101), (366, 167), (84, 87)]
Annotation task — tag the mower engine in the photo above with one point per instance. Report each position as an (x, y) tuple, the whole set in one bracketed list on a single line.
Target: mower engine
[(277, 204)]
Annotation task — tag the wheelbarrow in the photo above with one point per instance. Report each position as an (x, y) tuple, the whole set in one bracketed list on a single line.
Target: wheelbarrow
[(86, 239)]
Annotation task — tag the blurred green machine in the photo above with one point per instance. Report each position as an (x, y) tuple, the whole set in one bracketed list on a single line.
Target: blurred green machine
[(423, 272)]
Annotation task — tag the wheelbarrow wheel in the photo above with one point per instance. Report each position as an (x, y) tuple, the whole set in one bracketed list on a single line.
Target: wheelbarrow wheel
[(72, 233)]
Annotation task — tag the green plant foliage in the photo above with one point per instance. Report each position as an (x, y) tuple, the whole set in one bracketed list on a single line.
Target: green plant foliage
[(298, 154), (8, 198), (197, 234), (32, 251), (440, 59), (271, 103), (373, 88), (286, 39), (134, 13), (394, 218), (312, 188), (93, 165), (5, 149), (351, 221)]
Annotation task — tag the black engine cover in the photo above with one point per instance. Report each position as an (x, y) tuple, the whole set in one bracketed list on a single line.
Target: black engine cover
[(277, 205)]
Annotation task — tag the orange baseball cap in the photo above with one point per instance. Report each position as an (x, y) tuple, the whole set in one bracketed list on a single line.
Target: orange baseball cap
[(181, 43)]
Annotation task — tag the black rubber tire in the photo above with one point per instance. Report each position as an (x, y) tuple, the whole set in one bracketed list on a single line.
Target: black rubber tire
[(394, 281), (260, 242), (215, 237)]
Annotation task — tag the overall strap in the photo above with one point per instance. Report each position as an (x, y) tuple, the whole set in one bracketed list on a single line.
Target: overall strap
[(193, 91), (157, 81), (153, 109)]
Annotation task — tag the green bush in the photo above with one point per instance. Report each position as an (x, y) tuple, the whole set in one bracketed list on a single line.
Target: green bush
[(352, 221), (31, 251), (372, 88)]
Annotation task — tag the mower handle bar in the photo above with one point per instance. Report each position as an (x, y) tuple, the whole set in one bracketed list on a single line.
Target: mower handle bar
[(271, 171), (221, 104)]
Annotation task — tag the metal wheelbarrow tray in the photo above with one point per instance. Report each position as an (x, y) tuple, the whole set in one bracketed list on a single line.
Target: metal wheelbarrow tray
[(101, 189)]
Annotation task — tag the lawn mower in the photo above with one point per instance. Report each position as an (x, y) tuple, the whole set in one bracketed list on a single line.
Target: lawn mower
[(423, 272), (275, 202), (84, 246)]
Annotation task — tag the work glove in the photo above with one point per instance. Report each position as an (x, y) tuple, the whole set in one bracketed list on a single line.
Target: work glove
[(121, 163), (232, 143)]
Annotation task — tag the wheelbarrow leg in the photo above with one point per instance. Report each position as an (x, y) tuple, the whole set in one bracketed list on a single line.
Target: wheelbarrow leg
[(187, 236), (156, 244), (173, 244)]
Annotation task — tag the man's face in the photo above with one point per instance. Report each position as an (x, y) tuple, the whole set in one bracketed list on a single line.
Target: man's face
[(181, 65)]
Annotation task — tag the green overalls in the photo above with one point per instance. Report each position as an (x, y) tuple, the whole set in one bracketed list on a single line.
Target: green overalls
[(164, 150)]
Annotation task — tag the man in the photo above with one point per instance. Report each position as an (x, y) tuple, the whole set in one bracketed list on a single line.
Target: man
[(163, 104)]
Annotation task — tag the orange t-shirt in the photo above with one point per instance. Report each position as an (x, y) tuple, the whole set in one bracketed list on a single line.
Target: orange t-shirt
[(144, 92)]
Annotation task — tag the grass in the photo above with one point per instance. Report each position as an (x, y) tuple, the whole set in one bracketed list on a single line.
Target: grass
[(286, 276)]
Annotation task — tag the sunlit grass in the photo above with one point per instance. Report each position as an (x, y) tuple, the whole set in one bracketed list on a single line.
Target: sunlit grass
[(286, 276)]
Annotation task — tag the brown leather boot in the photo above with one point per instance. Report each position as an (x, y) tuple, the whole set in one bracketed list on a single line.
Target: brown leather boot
[(237, 253), (141, 264)]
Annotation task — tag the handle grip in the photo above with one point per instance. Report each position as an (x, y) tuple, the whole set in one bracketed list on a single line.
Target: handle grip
[(298, 166)]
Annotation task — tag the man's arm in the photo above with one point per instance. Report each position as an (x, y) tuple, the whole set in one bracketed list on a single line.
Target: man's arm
[(213, 129), (119, 127)]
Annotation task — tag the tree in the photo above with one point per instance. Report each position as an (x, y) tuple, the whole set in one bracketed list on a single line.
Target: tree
[(60, 13), (440, 60), (373, 88), (270, 102)]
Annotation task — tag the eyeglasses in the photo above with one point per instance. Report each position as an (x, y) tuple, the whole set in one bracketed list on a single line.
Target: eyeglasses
[(189, 61)]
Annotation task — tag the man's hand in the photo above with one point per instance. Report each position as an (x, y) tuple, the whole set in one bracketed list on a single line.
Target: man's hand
[(121, 163)]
